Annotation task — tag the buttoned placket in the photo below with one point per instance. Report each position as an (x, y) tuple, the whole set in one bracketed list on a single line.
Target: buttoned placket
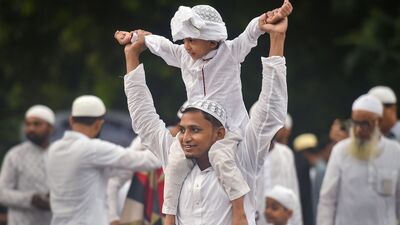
[(203, 78), (198, 208)]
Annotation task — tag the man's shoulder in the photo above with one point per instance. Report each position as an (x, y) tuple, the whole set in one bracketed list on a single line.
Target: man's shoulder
[(340, 148), (391, 144), (20, 148)]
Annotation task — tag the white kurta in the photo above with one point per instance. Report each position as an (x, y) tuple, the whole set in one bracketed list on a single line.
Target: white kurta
[(203, 200), (78, 169), (118, 185), (217, 75), (22, 175), (395, 131), (279, 169), (359, 192)]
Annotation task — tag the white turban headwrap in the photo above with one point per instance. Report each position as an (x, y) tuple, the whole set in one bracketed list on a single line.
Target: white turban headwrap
[(284, 196), (200, 22), (368, 103), (41, 112)]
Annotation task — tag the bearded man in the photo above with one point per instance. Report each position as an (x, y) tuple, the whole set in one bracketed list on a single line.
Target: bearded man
[(23, 186), (361, 184)]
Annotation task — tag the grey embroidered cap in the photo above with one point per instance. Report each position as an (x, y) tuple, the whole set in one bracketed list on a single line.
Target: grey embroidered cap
[(210, 107)]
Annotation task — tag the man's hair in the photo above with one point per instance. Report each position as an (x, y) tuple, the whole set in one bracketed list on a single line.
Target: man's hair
[(215, 123), (86, 120)]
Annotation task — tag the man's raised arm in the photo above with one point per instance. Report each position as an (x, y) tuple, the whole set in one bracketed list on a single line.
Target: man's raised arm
[(270, 111), (145, 121)]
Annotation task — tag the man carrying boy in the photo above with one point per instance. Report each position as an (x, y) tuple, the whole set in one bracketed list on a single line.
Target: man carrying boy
[(203, 199)]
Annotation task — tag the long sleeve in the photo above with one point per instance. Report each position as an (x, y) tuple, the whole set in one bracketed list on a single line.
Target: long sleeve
[(269, 112), (329, 190), (106, 154), (145, 121), (171, 53), (9, 195), (241, 45)]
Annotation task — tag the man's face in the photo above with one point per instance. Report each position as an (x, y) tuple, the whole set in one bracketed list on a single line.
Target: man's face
[(282, 136), (37, 130), (198, 48), (275, 213), (197, 135), (389, 117), (363, 124)]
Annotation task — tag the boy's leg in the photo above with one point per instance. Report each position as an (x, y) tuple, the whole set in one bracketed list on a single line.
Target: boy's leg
[(177, 169), (222, 159)]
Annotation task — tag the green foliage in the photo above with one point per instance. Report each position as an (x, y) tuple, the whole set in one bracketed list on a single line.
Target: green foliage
[(53, 51)]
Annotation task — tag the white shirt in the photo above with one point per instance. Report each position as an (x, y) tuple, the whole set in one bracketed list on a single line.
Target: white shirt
[(22, 175), (202, 199), (361, 192), (279, 169), (217, 75), (78, 169), (118, 185), (395, 131)]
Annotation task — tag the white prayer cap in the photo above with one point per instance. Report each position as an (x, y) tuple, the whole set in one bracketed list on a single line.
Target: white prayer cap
[(251, 111), (368, 103), (288, 122), (200, 22), (284, 196), (305, 141), (183, 107), (88, 106), (210, 107), (42, 112), (384, 94)]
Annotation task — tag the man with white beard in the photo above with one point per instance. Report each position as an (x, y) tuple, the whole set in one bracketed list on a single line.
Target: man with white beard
[(361, 184)]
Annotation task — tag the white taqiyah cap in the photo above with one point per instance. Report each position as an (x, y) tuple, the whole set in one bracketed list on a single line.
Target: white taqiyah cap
[(183, 107), (283, 195), (42, 112), (384, 94), (210, 107), (288, 122), (368, 103), (88, 106), (305, 141)]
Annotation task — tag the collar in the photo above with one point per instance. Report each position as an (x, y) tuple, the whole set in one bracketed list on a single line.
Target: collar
[(70, 134), (210, 55)]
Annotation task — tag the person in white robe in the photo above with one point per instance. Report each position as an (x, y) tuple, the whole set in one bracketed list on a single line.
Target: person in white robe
[(23, 179), (361, 183), (390, 125), (79, 166)]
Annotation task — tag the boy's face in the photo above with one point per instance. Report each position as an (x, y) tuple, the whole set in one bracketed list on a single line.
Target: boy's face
[(198, 48), (275, 213)]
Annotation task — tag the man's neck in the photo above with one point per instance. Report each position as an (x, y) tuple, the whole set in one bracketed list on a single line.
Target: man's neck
[(203, 163)]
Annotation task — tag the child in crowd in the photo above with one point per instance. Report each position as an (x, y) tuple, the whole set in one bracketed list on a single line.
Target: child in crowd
[(280, 202)]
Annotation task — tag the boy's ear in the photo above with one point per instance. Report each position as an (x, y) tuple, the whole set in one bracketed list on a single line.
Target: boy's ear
[(289, 213), (213, 44)]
